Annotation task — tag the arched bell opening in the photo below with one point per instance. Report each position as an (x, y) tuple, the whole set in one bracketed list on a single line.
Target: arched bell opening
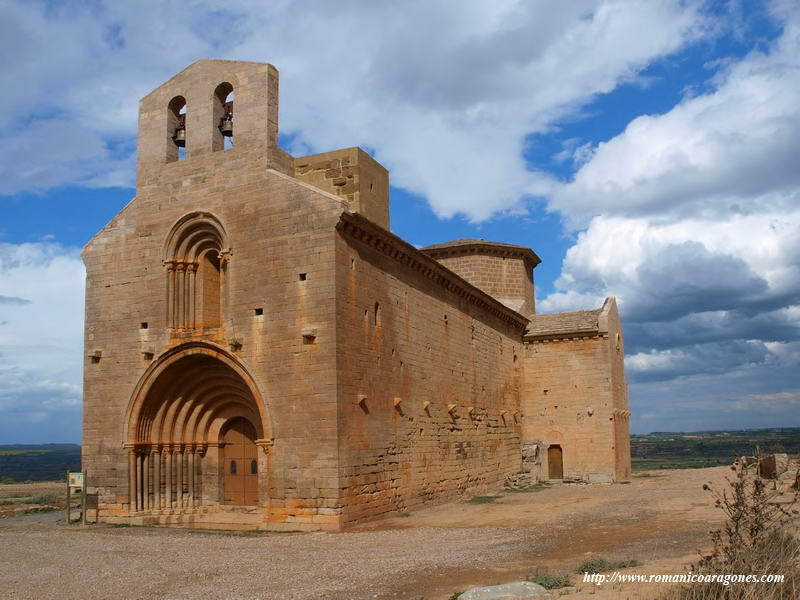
[(176, 129), (222, 116), (190, 417)]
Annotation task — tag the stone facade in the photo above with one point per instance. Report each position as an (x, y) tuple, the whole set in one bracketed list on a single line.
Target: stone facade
[(244, 286)]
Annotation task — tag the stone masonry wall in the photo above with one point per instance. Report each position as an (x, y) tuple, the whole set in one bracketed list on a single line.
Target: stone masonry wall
[(409, 350), (509, 280), (352, 174), (278, 228), (567, 400)]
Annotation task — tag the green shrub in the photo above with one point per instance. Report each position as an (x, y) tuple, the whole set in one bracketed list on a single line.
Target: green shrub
[(550, 582), (599, 565), (46, 499)]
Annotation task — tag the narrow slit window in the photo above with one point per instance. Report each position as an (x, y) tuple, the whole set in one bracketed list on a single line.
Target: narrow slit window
[(253, 467), (233, 467)]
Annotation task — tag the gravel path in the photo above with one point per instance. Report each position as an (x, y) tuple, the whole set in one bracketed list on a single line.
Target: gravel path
[(42, 558), (56, 562)]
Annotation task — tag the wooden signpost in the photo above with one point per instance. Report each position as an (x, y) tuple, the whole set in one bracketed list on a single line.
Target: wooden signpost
[(76, 483)]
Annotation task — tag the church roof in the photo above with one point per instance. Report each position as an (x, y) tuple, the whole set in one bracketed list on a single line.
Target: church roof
[(466, 245), (579, 322)]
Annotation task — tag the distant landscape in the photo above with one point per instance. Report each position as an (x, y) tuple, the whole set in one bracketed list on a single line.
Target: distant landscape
[(658, 450), (42, 462), (661, 450)]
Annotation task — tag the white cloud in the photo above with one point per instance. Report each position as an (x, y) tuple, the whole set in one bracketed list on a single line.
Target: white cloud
[(692, 219), (444, 97), (732, 150), (40, 342)]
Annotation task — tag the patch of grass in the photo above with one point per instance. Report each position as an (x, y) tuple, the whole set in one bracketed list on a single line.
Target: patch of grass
[(599, 565), (259, 532), (482, 499), (527, 488), (18, 452), (404, 515), (455, 596), (46, 499), (551, 582), (649, 474)]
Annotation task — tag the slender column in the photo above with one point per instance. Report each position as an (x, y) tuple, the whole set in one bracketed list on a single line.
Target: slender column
[(199, 475), (139, 482), (157, 477), (191, 270), (180, 286), (192, 454), (170, 293), (179, 486), (168, 478), (132, 491), (146, 486)]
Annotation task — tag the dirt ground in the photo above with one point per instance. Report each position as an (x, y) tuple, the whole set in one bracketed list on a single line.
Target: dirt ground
[(660, 520)]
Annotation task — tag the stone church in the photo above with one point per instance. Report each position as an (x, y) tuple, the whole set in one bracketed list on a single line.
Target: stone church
[(262, 352)]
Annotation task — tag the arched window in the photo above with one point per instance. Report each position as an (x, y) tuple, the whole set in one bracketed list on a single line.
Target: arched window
[(176, 129), (196, 256), (222, 115)]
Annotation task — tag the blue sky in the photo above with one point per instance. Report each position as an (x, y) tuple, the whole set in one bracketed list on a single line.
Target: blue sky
[(643, 150)]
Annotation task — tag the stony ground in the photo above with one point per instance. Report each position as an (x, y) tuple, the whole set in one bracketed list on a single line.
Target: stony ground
[(659, 520)]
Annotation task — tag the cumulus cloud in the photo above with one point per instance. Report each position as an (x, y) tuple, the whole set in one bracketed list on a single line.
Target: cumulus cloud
[(41, 345), (692, 219), (445, 98), (732, 150)]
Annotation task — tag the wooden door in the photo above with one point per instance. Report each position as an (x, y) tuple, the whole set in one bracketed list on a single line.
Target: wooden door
[(555, 463), (240, 464)]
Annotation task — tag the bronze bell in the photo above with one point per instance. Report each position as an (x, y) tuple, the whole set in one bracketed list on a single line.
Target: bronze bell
[(226, 127), (180, 137)]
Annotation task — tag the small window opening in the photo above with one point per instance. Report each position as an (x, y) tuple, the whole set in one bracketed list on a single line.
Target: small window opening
[(309, 338), (258, 311), (303, 276), (377, 315), (253, 467), (233, 467), (353, 263), (370, 187), (143, 325)]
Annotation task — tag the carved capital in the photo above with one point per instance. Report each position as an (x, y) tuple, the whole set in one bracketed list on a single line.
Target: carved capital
[(265, 445)]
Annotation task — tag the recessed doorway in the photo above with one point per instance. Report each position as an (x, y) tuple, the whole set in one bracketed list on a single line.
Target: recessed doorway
[(240, 485)]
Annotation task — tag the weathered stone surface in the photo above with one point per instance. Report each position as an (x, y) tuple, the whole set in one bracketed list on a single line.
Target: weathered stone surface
[(247, 284), (773, 465), (520, 590)]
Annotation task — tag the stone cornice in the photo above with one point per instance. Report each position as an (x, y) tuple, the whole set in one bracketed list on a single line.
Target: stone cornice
[(484, 248), (562, 336), (385, 242)]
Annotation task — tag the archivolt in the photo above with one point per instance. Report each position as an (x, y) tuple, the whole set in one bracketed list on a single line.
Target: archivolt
[(189, 395)]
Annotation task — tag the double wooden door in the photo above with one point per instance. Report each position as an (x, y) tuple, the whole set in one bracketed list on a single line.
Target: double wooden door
[(240, 463)]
